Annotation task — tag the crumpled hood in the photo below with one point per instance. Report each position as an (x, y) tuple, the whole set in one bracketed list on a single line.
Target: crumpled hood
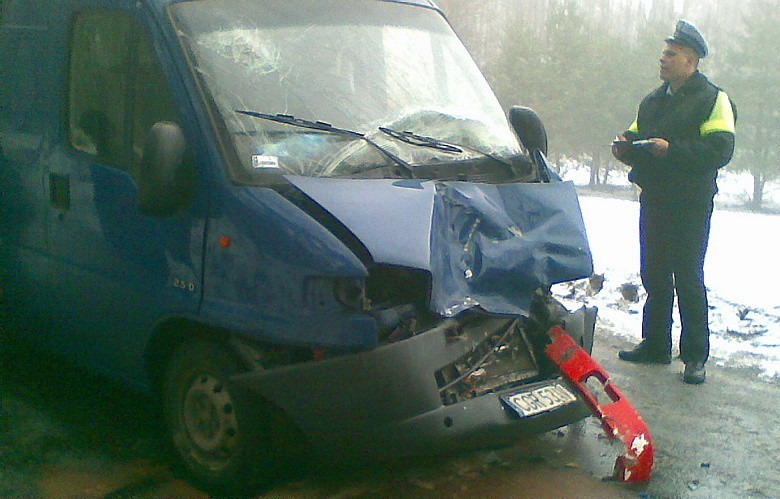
[(485, 245)]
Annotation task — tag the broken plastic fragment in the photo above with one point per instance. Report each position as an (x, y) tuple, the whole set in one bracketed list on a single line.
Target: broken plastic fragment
[(618, 417)]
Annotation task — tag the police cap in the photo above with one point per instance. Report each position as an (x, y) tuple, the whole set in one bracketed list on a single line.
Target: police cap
[(686, 34)]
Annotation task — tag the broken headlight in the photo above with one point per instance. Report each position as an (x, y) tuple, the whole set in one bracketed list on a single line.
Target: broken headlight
[(335, 293)]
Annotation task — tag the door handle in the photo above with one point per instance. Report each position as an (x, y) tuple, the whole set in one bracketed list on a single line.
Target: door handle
[(59, 191)]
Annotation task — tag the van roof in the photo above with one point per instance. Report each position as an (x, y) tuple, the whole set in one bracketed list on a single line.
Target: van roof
[(422, 3), (430, 4), (38, 10)]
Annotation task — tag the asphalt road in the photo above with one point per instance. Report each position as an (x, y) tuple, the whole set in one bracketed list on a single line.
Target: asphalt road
[(64, 433)]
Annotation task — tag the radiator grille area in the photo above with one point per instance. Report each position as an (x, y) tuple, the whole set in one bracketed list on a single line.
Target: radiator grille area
[(502, 360)]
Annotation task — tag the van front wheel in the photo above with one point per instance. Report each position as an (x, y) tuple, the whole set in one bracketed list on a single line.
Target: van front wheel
[(212, 431)]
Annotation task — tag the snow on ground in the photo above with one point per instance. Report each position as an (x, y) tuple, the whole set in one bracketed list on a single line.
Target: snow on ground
[(735, 188), (742, 276)]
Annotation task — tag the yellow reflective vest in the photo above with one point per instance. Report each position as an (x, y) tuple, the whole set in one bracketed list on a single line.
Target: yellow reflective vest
[(699, 122)]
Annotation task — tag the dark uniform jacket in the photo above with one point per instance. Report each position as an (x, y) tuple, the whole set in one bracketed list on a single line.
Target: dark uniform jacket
[(698, 122)]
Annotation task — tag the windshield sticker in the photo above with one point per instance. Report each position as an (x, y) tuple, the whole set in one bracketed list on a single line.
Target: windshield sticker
[(264, 161)]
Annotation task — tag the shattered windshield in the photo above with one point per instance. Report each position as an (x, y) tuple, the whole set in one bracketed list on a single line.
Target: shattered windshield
[(356, 65)]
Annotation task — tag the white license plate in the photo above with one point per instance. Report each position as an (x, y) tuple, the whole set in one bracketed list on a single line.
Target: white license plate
[(538, 400)]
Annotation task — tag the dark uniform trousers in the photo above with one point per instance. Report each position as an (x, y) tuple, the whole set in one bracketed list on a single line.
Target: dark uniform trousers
[(673, 242)]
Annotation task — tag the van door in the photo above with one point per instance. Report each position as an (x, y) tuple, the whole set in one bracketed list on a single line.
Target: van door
[(26, 90), (116, 271)]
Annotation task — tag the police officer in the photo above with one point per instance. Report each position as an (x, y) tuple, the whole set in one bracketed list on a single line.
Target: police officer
[(683, 133)]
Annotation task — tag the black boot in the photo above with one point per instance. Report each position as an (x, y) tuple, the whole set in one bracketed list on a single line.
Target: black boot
[(645, 354), (694, 373)]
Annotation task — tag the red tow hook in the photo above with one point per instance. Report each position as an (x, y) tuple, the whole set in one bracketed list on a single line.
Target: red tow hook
[(619, 418)]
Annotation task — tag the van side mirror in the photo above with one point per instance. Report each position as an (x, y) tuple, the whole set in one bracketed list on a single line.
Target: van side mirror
[(165, 177), (529, 129)]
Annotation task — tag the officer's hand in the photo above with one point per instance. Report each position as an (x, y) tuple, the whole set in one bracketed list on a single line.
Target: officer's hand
[(620, 147), (660, 148)]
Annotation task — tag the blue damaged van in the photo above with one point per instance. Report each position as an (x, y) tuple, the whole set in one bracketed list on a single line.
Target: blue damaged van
[(301, 224)]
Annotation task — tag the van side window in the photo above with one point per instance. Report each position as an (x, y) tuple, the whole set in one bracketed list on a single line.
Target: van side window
[(117, 89)]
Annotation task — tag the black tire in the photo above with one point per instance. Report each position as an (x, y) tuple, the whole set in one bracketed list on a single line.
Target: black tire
[(217, 436)]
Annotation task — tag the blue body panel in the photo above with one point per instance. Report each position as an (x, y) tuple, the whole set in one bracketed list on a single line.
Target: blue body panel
[(495, 245), (392, 218), (25, 95), (485, 245), (91, 278), (261, 284)]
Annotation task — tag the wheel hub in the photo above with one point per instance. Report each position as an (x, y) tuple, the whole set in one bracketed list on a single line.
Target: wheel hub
[(209, 416)]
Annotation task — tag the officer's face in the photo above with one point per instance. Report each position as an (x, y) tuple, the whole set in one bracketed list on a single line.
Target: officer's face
[(678, 62)]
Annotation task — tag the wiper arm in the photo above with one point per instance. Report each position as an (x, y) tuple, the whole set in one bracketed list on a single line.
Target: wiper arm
[(420, 140), (327, 127), (423, 141)]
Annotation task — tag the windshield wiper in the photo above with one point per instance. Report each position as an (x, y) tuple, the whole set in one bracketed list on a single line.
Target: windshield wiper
[(327, 127), (420, 140), (292, 120), (423, 141)]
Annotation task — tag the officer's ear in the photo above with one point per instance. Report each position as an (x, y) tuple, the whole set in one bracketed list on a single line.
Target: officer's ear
[(691, 55)]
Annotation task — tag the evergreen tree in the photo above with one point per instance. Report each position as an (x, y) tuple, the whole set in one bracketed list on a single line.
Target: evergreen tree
[(578, 73), (585, 66), (751, 75)]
